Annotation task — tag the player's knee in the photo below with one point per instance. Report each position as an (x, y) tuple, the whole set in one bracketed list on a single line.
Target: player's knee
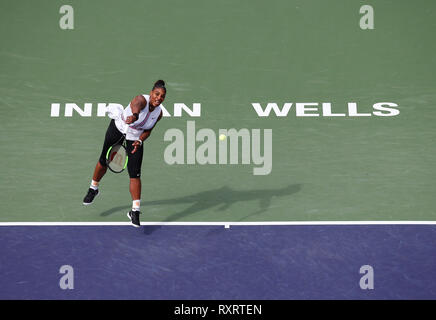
[(134, 165), (102, 162), (135, 174)]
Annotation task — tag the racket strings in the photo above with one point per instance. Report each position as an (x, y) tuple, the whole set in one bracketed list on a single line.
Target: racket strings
[(117, 158)]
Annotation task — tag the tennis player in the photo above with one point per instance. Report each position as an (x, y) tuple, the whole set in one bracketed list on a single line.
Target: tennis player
[(141, 116)]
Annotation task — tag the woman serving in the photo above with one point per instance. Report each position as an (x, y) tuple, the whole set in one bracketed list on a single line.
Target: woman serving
[(136, 122)]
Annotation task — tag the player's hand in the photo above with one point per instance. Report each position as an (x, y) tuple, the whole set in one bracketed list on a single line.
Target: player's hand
[(136, 145), (130, 119)]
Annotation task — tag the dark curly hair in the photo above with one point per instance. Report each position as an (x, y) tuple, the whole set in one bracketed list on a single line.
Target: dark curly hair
[(159, 84)]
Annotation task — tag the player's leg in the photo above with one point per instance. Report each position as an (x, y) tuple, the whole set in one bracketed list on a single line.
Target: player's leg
[(111, 137), (99, 172), (134, 169), (135, 188)]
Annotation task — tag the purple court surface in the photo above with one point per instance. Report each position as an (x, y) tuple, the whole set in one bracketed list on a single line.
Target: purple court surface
[(212, 262)]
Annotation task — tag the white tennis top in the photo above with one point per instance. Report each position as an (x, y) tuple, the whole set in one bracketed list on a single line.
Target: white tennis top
[(146, 120)]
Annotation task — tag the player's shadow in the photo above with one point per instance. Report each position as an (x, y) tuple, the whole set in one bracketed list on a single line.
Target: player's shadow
[(221, 199)]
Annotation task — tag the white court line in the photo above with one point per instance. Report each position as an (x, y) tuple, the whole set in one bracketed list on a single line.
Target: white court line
[(222, 223)]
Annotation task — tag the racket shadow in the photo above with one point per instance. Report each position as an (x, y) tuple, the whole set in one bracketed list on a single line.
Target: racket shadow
[(220, 199)]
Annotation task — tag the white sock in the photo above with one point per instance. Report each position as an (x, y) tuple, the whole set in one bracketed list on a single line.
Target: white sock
[(136, 204), (94, 185)]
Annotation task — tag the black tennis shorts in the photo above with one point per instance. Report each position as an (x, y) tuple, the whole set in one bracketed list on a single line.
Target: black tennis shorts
[(113, 135)]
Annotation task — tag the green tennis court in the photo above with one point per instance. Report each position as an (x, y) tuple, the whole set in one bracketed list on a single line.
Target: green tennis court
[(224, 55)]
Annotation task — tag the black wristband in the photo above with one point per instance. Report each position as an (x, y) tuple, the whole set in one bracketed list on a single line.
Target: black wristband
[(136, 115)]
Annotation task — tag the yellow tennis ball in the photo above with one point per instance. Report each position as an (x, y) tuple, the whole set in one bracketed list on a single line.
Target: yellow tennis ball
[(222, 137)]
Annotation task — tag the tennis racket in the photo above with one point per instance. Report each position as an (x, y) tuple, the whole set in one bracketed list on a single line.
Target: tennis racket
[(116, 156)]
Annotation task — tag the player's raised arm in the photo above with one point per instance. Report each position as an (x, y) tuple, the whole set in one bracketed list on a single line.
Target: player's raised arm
[(137, 104)]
